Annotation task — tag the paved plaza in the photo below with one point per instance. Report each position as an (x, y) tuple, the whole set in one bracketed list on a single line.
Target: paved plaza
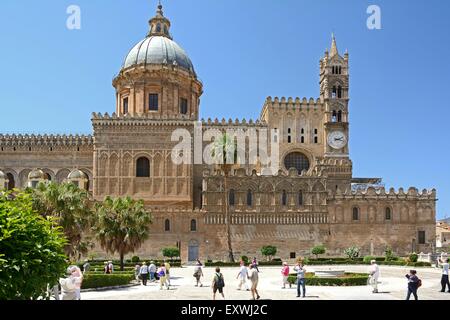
[(392, 286)]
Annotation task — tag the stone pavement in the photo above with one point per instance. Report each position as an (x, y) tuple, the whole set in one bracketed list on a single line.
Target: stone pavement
[(392, 286)]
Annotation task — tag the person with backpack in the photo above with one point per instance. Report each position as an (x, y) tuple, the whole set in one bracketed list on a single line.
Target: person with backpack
[(143, 272), (218, 283), (414, 283), (162, 277)]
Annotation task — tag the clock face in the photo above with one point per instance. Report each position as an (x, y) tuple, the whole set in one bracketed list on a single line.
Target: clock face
[(337, 140)]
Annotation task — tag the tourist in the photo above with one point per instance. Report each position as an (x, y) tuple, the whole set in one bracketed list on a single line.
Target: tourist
[(162, 277), (111, 267), (70, 284), (374, 272), (413, 284), (106, 268), (137, 271), (78, 275), (301, 281), (198, 273), (143, 272), (285, 275), (152, 271), (242, 276), (255, 263), (218, 283), (254, 278), (444, 279), (167, 267), (86, 267)]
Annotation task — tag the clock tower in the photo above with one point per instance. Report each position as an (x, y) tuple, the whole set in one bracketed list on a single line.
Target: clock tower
[(334, 85)]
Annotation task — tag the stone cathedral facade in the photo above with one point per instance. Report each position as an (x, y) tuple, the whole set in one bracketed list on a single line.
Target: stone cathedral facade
[(312, 198)]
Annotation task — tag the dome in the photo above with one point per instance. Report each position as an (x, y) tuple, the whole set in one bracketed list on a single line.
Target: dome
[(158, 50), (76, 174), (37, 174)]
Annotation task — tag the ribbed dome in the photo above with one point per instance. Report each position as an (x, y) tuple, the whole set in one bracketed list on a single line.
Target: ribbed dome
[(158, 50), (36, 174), (77, 174)]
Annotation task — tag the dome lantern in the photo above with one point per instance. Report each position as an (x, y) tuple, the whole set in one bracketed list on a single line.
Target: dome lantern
[(159, 25)]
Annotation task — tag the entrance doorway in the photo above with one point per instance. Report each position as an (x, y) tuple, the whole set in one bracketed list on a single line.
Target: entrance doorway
[(193, 250)]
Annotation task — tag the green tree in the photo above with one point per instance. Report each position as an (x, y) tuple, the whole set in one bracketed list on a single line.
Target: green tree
[(224, 151), (269, 251), (320, 249), (352, 252), (171, 252), (31, 249), (122, 225), (71, 208)]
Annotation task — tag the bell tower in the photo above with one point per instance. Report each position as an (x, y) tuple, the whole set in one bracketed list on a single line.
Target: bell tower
[(334, 88)]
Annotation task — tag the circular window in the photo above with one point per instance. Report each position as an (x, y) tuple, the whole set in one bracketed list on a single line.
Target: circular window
[(296, 160)]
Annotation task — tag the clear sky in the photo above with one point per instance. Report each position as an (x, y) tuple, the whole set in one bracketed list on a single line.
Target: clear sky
[(53, 78)]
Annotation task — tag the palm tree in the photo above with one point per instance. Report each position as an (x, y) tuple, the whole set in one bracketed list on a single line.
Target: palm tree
[(122, 225), (71, 209), (224, 151)]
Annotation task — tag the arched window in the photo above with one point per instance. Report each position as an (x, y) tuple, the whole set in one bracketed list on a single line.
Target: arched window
[(231, 198), (388, 215), (158, 27), (300, 198), (334, 92), (296, 160), (249, 198), (302, 131), (333, 70), (11, 182), (125, 105), (302, 139), (355, 215), (334, 116), (284, 198), (167, 225), (316, 140), (193, 225), (143, 167), (340, 70), (339, 116), (289, 139), (339, 92), (183, 106)]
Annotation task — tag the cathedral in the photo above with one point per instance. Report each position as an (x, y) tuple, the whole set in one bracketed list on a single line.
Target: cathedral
[(311, 197)]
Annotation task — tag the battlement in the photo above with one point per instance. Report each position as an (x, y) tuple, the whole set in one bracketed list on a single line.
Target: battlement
[(296, 103), (231, 122), (13, 140), (381, 194), (144, 116)]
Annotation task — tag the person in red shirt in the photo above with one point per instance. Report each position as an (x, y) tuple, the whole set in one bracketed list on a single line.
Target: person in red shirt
[(285, 275)]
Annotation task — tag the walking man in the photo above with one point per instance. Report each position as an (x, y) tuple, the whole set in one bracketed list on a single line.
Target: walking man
[(218, 283), (254, 278), (144, 273), (301, 281), (444, 280), (152, 271), (374, 272), (242, 276)]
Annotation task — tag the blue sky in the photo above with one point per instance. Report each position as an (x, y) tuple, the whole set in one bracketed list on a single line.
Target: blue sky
[(243, 51)]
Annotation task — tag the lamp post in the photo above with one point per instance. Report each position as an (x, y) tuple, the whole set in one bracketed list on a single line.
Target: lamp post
[(207, 250)]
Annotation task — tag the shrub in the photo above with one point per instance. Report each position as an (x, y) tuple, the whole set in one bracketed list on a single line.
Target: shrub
[(269, 251), (352, 252), (135, 259), (368, 258), (413, 257), (350, 279), (389, 255), (105, 280), (245, 259), (318, 250), (171, 252)]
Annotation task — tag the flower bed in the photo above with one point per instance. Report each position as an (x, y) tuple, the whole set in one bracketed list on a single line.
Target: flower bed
[(349, 279)]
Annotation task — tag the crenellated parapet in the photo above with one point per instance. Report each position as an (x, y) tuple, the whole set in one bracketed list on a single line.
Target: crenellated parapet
[(382, 194), (146, 119), (235, 123), (292, 104), (32, 140)]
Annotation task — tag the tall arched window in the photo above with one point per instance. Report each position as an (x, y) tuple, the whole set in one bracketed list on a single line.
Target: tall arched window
[(339, 116), (143, 167), (249, 198), (11, 182), (388, 215), (231, 198), (355, 215), (334, 116), (300, 198), (339, 92), (334, 92), (158, 28), (167, 225), (284, 198), (193, 225)]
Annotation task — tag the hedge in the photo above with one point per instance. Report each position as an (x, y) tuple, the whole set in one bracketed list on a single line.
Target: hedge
[(115, 272), (237, 264), (350, 279), (359, 262), (105, 280)]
